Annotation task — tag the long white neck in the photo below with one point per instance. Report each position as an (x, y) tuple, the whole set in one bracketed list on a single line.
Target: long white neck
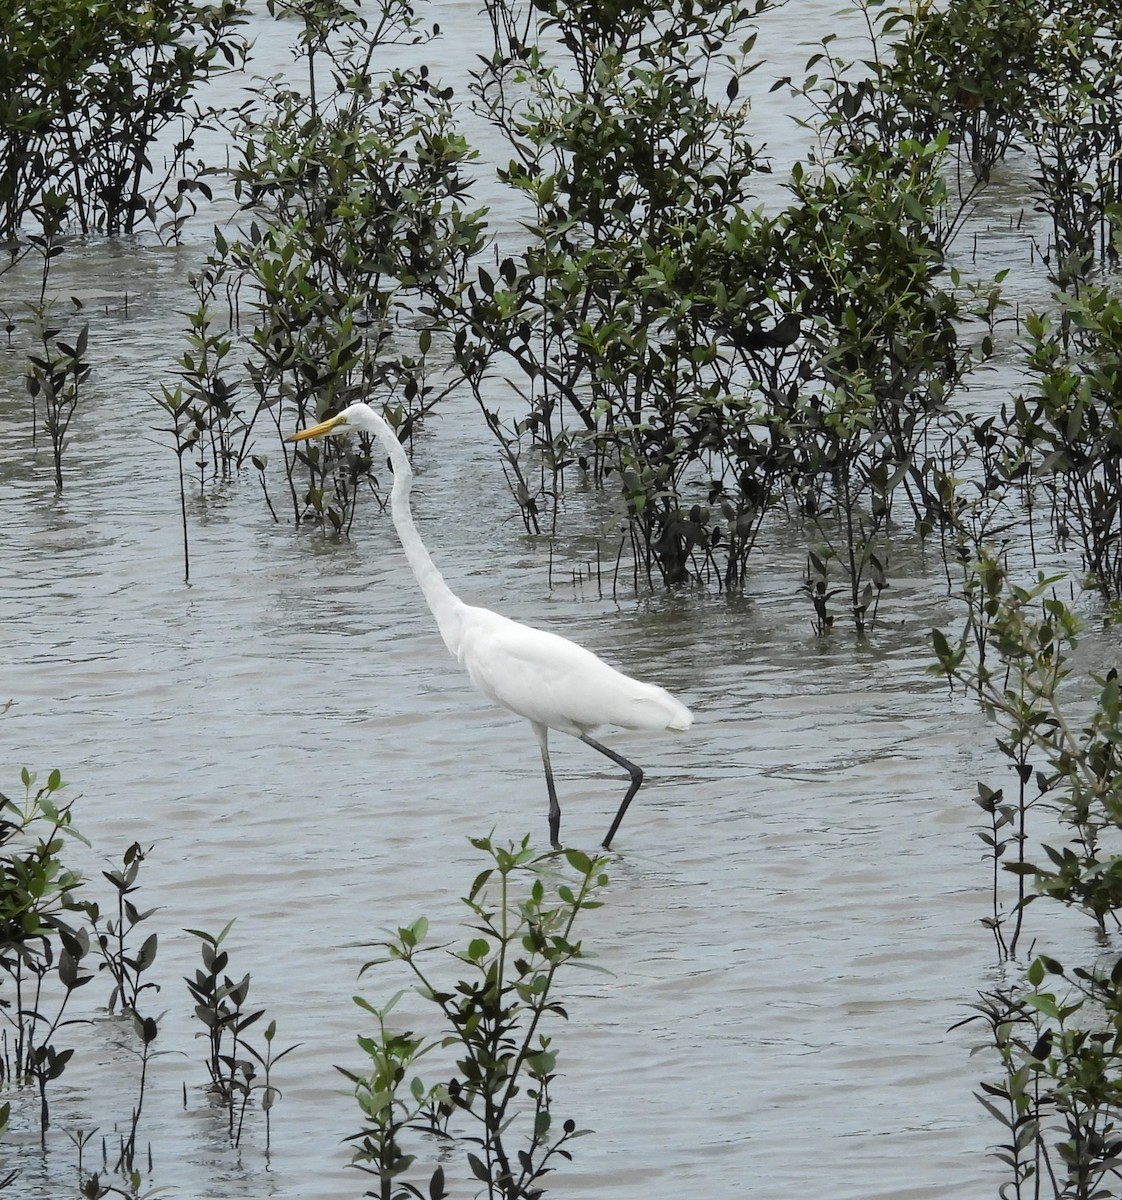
[(446, 606)]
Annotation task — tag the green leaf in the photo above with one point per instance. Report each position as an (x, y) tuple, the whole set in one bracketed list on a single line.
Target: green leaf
[(147, 954), (1045, 1003), (577, 859)]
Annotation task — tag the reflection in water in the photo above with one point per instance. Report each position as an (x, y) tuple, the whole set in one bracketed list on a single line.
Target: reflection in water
[(792, 923)]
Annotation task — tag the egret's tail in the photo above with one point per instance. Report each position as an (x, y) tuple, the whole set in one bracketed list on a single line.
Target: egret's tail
[(681, 717)]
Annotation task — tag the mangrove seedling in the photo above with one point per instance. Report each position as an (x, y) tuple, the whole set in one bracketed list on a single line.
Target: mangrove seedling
[(497, 1102), (40, 950), (220, 1006)]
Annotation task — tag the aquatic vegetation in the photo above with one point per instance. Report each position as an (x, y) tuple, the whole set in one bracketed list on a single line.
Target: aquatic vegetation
[(494, 1100), (1074, 127), (628, 314), (717, 364), (49, 930), (203, 404), (1056, 1029), (1071, 422), (890, 356), (357, 211), (41, 948), (55, 375), (875, 414), (124, 964), (86, 92), (54, 379), (714, 365), (496, 1105), (970, 68), (719, 371), (220, 1006)]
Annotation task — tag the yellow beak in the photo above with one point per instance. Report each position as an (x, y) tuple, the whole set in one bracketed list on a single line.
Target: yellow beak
[(315, 431)]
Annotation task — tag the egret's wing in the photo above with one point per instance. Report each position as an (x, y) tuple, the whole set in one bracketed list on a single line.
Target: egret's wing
[(553, 681)]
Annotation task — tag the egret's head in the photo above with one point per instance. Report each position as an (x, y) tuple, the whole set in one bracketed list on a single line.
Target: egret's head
[(346, 421)]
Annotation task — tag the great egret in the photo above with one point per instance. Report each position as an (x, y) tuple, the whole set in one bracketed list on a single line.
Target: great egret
[(549, 680)]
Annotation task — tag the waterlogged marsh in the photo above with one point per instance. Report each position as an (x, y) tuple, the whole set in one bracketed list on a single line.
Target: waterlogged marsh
[(791, 926), (791, 923)]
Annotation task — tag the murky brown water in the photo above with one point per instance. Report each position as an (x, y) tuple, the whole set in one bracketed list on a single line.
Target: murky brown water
[(792, 921)]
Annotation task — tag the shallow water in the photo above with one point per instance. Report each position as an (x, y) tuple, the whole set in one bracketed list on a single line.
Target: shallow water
[(791, 926)]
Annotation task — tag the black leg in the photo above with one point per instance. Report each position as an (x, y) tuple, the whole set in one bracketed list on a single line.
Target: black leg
[(554, 808), (636, 774)]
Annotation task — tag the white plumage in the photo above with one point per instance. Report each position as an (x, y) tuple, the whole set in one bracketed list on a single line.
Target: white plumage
[(549, 680)]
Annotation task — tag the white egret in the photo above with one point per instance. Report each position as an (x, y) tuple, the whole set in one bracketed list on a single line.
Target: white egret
[(549, 680)]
